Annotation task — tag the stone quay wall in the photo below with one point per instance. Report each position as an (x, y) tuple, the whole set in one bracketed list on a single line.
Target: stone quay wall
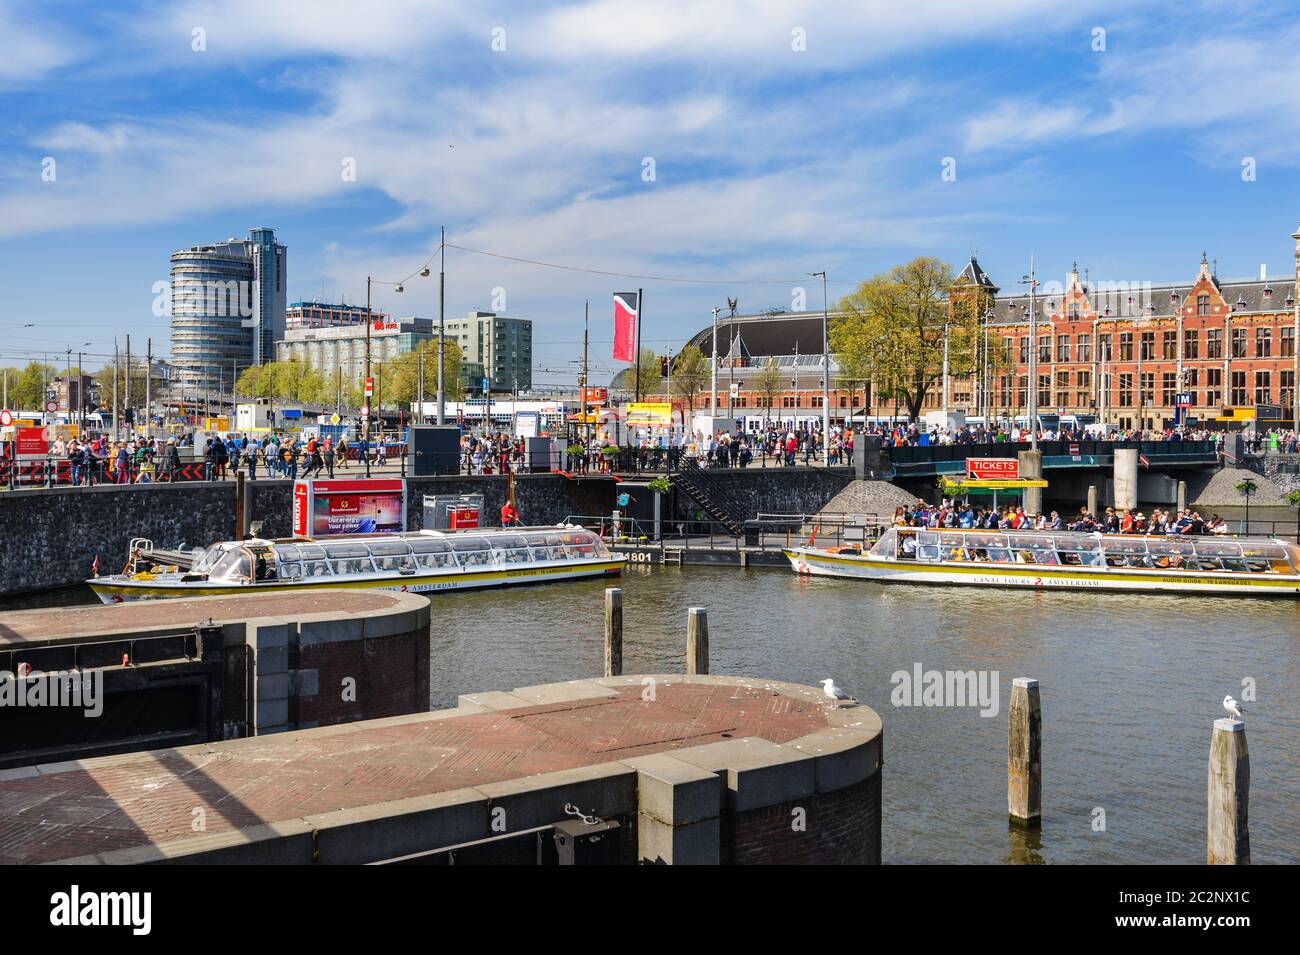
[(772, 490)]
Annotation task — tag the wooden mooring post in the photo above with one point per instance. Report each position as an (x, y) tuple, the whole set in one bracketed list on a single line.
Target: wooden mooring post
[(1025, 754), (697, 641), (613, 631), (241, 507), (1227, 832)]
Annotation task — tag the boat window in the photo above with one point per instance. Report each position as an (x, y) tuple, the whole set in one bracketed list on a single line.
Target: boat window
[(1270, 551), (389, 548), (311, 552), (949, 540), (236, 565), (514, 555), (336, 551), (927, 545), (1218, 549), (999, 555), (430, 545), (286, 552), (315, 568), (462, 544), (396, 562), (289, 570), (579, 544), (885, 546), (438, 560), (1171, 548)]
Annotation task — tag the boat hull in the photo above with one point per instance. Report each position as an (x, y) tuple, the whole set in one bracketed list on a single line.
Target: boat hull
[(1039, 577), (114, 590)]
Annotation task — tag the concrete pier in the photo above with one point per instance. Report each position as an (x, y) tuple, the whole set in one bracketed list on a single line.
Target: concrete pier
[(1227, 837), (1031, 469), (209, 668), (1126, 478), (706, 769)]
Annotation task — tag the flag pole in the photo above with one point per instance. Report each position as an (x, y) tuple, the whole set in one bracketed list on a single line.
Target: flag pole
[(640, 313)]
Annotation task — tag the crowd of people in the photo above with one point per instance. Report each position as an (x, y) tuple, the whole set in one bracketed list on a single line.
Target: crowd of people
[(964, 516), (912, 435)]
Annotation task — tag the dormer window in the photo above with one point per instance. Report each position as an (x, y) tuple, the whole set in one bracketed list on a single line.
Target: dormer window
[(1268, 291), (1241, 302), (1151, 308), (1173, 298), (1108, 310), (1290, 300)]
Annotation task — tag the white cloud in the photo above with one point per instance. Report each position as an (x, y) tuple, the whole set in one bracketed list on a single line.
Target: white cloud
[(29, 50)]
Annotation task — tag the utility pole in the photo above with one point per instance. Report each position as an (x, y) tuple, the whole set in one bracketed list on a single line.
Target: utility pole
[(1032, 282), (442, 328), (826, 369), (582, 390), (128, 373), (148, 388), (365, 398), (117, 433), (713, 374)]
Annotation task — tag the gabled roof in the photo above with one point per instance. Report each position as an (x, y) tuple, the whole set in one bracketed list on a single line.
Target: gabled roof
[(973, 274)]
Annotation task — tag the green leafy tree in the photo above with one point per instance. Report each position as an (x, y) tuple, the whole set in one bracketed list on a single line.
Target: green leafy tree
[(769, 382), (892, 328), (1246, 487), (27, 385), (647, 381), (690, 375)]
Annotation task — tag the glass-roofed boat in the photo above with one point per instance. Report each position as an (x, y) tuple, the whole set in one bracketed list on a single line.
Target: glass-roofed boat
[(419, 561), (1261, 567)]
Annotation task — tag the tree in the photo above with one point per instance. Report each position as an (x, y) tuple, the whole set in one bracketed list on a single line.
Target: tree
[(690, 374), (104, 379), (1293, 498), (892, 329), (404, 384), (769, 382), (647, 381), (27, 386)]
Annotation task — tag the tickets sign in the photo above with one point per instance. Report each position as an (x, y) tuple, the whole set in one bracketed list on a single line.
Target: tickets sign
[(993, 469)]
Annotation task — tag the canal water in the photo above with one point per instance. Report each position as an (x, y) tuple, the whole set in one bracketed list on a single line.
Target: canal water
[(1131, 685)]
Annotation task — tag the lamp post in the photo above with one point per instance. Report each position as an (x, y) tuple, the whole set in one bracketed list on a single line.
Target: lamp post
[(826, 371), (1032, 282), (713, 366)]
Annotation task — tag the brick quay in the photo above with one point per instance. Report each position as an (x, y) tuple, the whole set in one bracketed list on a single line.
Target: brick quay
[(700, 769)]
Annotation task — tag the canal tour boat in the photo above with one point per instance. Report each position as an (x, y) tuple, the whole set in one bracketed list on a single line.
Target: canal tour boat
[(418, 561), (1064, 559)]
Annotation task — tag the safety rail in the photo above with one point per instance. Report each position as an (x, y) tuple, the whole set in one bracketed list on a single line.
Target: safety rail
[(763, 536)]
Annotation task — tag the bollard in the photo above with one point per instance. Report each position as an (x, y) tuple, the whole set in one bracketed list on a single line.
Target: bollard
[(1025, 754), (697, 641), (1182, 496), (1227, 832), (613, 631), (1092, 499)]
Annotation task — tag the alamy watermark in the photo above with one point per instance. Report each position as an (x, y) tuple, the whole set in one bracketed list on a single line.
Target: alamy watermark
[(75, 689), (922, 687)]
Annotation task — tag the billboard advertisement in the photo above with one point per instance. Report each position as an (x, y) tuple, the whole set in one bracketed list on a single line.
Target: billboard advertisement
[(650, 412), (331, 508)]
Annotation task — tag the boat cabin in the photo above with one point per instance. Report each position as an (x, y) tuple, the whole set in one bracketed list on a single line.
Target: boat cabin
[(1088, 550)]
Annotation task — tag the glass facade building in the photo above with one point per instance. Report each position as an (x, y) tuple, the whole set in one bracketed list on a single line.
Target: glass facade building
[(228, 308)]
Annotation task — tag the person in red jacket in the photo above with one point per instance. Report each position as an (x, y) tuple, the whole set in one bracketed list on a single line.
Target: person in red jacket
[(509, 515)]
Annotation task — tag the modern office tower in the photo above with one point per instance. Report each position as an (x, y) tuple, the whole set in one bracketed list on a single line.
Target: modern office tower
[(228, 308), (503, 346)]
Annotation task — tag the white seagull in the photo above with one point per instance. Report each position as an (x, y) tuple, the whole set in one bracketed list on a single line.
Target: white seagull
[(833, 692), (1233, 707)]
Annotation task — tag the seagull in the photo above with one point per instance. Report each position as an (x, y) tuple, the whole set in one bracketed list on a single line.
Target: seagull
[(833, 692), (1231, 705)]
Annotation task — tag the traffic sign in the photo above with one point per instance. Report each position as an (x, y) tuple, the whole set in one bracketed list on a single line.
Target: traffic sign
[(365, 411), (6, 417), (370, 387), (335, 419), (51, 406)]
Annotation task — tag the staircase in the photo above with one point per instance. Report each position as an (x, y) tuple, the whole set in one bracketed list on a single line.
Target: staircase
[(709, 493)]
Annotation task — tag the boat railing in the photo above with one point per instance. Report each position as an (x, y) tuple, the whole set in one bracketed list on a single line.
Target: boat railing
[(767, 534)]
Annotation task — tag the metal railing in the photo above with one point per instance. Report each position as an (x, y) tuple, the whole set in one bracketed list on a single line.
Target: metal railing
[(768, 534)]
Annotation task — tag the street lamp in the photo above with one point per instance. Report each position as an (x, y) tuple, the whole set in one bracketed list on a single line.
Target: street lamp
[(1032, 281), (826, 372)]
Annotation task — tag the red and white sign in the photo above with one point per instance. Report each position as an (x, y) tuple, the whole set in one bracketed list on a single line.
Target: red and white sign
[(370, 387), (301, 508), (993, 469), (6, 417), (1074, 450), (32, 441), (461, 518), (365, 411)]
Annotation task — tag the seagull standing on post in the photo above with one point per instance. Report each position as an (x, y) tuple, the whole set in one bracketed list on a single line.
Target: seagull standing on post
[(1233, 707), (833, 692)]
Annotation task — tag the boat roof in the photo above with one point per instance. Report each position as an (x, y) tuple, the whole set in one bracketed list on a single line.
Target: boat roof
[(1047, 532), (392, 535)]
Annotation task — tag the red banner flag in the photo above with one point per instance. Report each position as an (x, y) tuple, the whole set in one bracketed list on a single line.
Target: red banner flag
[(627, 307)]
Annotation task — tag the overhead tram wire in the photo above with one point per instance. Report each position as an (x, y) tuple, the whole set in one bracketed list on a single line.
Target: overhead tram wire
[(629, 275)]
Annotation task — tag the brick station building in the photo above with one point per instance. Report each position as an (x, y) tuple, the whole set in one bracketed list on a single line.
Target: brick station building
[(1119, 351)]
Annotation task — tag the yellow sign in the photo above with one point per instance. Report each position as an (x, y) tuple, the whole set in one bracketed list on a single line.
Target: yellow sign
[(650, 412), (993, 484)]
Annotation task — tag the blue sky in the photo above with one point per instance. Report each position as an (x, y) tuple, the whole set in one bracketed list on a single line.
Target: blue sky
[(770, 161)]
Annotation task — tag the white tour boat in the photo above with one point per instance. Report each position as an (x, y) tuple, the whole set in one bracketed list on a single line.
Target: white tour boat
[(418, 561), (1064, 559)]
